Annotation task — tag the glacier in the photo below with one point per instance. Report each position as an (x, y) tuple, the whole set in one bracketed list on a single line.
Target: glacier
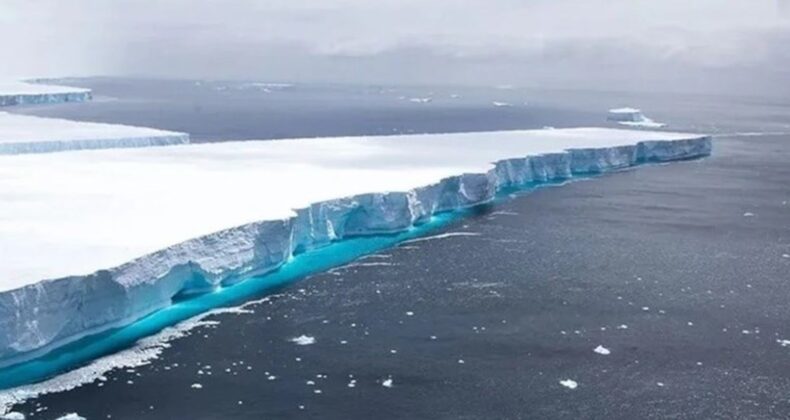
[(93, 240), (22, 93), (21, 134)]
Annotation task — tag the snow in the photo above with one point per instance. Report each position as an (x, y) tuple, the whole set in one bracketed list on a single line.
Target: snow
[(125, 230), (14, 415), (20, 93), (21, 134)]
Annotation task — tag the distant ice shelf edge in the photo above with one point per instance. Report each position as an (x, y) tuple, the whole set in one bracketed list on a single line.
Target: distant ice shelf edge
[(40, 98), (51, 146), (32, 317)]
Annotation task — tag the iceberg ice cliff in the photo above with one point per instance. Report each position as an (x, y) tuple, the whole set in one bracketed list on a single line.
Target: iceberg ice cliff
[(97, 239), (20, 134), (21, 93)]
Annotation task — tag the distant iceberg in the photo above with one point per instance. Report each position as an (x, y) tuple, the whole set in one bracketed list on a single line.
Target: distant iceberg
[(22, 134), (632, 117), (22, 93)]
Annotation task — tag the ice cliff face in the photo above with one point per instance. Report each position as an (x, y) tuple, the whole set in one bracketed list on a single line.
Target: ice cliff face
[(42, 316)]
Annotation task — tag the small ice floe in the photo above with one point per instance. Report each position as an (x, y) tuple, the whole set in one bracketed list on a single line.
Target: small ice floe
[(748, 214), (785, 255), (71, 416), (622, 327), (661, 384), (196, 386), (602, 350), (420, 100), (303, 340), (387, 383), (14, 415), (645, 308), (461, 361), (409, 313), (455, 96), (499, 104), (569, 383), (783, 343)]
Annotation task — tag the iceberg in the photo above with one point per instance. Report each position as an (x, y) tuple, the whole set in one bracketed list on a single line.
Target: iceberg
[(21, 134), (632, 117), (93, 240), (21, 93)]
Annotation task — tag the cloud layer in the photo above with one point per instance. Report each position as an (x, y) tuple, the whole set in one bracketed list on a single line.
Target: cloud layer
[(388, 40)]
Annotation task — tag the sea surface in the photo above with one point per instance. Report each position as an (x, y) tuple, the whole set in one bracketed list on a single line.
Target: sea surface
[(679, 272)]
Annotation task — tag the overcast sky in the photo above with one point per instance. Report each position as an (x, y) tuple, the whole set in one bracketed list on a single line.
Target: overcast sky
[(396, 41)]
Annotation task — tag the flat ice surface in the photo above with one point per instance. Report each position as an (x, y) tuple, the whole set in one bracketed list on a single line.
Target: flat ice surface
[(76, 212), (14, 88), (27, 134)]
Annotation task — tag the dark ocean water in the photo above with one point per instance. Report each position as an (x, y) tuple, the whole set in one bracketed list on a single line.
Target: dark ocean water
[(678, 270)]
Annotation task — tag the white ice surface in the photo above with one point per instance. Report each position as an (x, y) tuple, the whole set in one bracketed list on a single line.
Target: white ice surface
[(74, 213), (26, 134)]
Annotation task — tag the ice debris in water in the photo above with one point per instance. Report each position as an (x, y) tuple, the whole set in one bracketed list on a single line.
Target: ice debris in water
[(387, 383), (197, 386), (303, 340), (748, 214), (569, 383), (72, 416), (14, 415), (784, 343), (602, 350)]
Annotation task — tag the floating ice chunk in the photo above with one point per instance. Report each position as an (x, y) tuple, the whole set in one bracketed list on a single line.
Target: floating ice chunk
[(409, 313), (569, 383), (784, 343), (660, 384), (421, 100), (71, 416), (632, 117), (602, 350), (387, 383), (748, 214), (501, 104), (196, 386), (14, 415), (785, 255), (303, 340)]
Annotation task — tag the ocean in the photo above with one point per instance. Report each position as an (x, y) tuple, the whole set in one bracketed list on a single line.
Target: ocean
[(678, 272)]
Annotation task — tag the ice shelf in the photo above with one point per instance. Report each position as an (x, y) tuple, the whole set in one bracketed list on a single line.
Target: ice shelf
[(91, 240), (21, 93), (21, 134)]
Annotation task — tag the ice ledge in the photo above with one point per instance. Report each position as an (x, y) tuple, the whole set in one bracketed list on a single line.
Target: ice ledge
[(22, 134), (39, 317), (21, 93)]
